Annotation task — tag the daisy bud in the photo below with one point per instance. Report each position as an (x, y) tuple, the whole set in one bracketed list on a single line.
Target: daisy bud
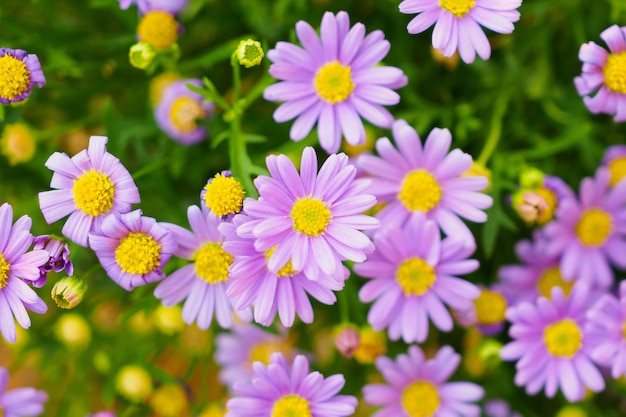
[(141, 55), (347, 339), (249, 53), (571, 411), (530, 205), (68, 292), (372, 344), (59, 257), (531, 178)]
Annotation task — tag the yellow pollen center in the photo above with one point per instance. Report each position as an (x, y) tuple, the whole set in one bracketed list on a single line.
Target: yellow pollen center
[(545, 215), (624, 330), (615, 72), (14, 77), (420, 399), (285, 271), (420, 191), (372, 344), (415, 276), (291, 406), (184, 113), (262, 352), (93, 193), (459, 8), (5, 267), (310, 216), (159, 29), (212, 263), (138, 254), (617, 168), (550, 278), (594, 227), (563, 338), (333, 82), (224, 195), (490, 307)]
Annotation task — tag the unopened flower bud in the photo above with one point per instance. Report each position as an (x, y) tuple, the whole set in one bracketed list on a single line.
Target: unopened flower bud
[(347, 339), (249, 53), (530, 206), (141, 55), (68, 292), (59, 257), (531, 178)]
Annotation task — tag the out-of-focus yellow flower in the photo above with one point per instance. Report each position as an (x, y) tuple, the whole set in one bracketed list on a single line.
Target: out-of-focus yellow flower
[(196, 342), (214, 410), (170, 401), (372, 344), (141, 322), (355, 150), (169, 320), (72, 330), (158, 85), (158, 28), (134, 383), (17, 143)]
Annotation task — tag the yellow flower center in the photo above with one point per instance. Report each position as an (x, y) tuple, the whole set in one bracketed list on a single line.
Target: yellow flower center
[(624, 330), (93, 193), (17, 143), (262, 352), (1, 411), (5, 267), (594, 227), (291, 406), (212, 263), (490, 307), (159, 29), (184, 113), (333, 82), (285, 271), (420, 191), (617, 167), (550, 278), (138, 254), (372, 344), (224, 195), (14, 77), (310, 216), (420, 399), (459, 8), (563, 338), (545, 215), (615, 72), (415, 276)]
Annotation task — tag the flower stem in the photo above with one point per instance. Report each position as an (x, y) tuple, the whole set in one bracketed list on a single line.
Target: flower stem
[(496, 128)]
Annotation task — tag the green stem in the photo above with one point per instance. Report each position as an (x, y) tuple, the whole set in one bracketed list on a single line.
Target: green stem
[(239, 160), (344, 306), (496, 128), (236, 78)]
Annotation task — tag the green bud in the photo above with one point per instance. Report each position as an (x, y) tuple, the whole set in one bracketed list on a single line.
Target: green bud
[(531, 178), (68, 292), (249, 53), (141, 55)]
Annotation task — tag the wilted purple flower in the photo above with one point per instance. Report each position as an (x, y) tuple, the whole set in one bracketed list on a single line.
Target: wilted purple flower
[(589, 234), (314, 218), (412, 276), (552, 345), (417, 386), (333, 81), (457, 23), (20, 72), (20, 402), (133, 249), (284, 292), (59, 252), (16, 264), (281, 389), (179, 111), (89, 186), (603, 71), (416, 179), (203, 282)]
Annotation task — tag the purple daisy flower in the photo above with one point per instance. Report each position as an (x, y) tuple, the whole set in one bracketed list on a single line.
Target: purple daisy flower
[(412, 272), (245, 344), (133, 249), (203, 282), (605, 323), (169, 6), (602, 71), (417, 386), (457, 23), (425, 179), (615, 160), (279, 389), (499, 408), (312, 217), (590, 234), (283, 292), (20, 72), (552, 345), (16, 264), (20, 402), (180, 109), (89, 186), (333, 80), (59, 252)]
